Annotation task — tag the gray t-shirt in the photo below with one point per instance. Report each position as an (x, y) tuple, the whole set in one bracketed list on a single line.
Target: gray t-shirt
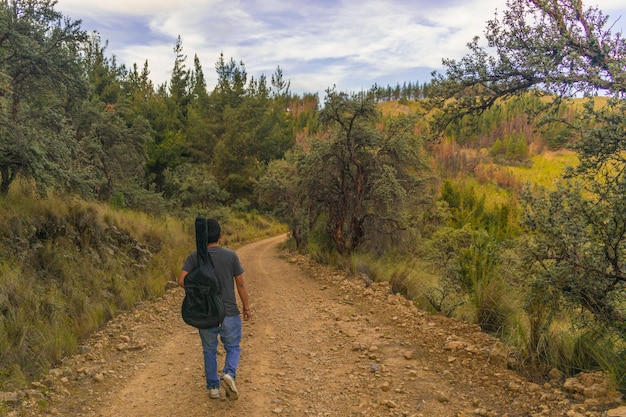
[(227, 267)]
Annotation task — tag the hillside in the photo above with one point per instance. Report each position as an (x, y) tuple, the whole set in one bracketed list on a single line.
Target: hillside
[(319, 344)]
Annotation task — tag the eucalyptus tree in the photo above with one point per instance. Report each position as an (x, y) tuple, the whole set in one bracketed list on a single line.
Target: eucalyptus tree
[(559, 49), (41, 81)]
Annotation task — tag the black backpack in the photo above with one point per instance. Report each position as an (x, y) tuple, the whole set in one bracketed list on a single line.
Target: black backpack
[(202, 307)]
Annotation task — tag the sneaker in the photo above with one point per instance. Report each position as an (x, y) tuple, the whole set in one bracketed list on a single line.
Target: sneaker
[(214, 392), (228, 382)]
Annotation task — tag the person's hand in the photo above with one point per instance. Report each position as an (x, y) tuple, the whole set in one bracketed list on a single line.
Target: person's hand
[(246, 314)]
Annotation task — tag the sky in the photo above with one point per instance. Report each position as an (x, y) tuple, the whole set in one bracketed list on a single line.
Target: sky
[(318, 44)]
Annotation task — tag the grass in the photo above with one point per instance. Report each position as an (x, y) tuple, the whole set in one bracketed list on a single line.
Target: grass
[(68, 266), (546, 168), (394, 107), (541, 345), (496, 195), (407, 276), (499, 183)]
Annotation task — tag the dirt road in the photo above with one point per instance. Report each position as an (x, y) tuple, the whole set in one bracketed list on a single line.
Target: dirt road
[(319, 344)]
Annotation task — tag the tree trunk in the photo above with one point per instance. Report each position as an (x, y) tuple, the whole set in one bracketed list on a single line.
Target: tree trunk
[(6, 180)]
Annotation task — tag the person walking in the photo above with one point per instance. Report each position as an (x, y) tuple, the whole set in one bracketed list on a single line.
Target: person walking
[(230, 274)]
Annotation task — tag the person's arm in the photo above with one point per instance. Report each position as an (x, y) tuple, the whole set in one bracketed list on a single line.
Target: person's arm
[(243, 295), (181, 278)]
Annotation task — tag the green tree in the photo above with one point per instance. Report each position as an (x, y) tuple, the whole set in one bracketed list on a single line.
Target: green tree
[(232, 169), (190, 185), (169, 111), (110, 127), (179, 91), (579, 242), (255, 127), (116, 149), (104, 76), (140, 94), (201, 135), (365, 182), (42, 82), (231, 84), (553, 48), (278, 190)]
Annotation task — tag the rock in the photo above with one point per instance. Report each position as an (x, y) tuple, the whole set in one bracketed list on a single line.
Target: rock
[(34, 393), (388, 403), (454, 345), (596, 391), (9, 397), (442, 398), (617, 412), (555, 374), (573, 385), (593, 387), (391, 404), (515, 387), (499, 354), (472, 349), (84, 349)]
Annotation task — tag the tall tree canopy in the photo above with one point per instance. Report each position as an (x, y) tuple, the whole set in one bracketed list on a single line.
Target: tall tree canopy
[(253, 126)]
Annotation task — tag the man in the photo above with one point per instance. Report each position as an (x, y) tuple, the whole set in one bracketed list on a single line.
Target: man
[(230, 274)]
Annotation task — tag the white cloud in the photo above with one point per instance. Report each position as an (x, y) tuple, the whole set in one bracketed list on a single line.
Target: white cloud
[(134, 7), (323, 43)]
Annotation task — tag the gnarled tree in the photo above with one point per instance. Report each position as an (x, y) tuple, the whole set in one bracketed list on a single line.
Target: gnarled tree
[(364, 180)]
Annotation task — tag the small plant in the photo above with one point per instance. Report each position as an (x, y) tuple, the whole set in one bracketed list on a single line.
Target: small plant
[(118, 201)]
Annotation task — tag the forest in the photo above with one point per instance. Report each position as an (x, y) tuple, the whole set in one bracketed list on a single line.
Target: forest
[(493, 193)]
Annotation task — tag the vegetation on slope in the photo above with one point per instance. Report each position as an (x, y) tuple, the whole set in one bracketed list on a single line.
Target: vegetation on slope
[(428, 192), (67, 266)]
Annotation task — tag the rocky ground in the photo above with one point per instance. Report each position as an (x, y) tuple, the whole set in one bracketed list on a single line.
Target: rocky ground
[(319, 344)]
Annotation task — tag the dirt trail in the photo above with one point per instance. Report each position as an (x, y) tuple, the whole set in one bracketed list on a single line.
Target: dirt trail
[(319, 344)]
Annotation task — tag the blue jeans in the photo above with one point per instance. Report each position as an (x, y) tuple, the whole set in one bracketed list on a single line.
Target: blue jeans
[(230, 335)]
